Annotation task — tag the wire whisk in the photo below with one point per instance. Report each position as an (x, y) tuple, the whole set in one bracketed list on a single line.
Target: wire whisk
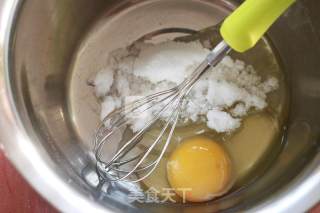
[(134, 164)]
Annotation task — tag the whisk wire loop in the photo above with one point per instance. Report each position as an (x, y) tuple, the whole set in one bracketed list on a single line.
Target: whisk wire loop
[(119, 167)]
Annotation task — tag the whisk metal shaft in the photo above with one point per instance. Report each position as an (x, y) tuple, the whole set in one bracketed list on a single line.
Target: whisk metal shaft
[(115, 168)]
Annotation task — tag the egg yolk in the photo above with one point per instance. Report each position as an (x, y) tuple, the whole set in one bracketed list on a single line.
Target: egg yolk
[(199, 170)]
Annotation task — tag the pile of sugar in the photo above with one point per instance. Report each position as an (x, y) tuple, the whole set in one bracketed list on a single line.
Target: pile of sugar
[(221, 98)]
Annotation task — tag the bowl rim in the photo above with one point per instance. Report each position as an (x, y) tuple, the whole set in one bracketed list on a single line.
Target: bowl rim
[(17, 145)]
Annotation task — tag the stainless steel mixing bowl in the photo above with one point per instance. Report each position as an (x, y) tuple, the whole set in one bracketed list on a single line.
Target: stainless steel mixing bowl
[(45, 133)]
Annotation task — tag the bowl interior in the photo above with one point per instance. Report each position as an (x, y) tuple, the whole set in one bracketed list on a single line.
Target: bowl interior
[(51, 64)]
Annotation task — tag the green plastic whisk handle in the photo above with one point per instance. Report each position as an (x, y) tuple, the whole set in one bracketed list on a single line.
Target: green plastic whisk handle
[(248, 23)]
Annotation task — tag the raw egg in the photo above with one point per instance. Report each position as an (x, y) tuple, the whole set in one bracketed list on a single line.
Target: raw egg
[(199, 169)]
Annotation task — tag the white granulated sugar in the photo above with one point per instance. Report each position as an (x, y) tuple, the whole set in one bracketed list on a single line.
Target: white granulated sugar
[(103, 82), (220, 98), (109, 104), (239, 110), (168, 61), (221, 121)]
